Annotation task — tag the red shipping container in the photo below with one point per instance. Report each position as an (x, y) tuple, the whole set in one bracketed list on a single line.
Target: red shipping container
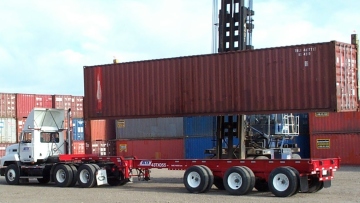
[(103, 130), (78, 147), (101, 148), (341, 122), (151, 149), (26, 102), (299, 78), (77, 107), (7, 105), (3, 148), (345, 146)]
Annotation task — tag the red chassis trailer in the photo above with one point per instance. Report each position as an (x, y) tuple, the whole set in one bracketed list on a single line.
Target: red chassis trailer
[(282, 177)]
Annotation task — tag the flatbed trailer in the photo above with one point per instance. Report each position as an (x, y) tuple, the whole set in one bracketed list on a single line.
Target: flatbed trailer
[(282, 177)]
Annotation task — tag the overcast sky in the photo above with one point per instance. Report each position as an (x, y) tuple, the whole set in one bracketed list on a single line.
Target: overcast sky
[(44, 44)]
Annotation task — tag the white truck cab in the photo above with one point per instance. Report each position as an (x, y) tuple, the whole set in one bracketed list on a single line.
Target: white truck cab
[(41, 139)]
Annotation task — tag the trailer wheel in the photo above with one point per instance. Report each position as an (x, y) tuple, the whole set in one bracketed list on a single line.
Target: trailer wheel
[(12, 174), (74, 180), (218, 182), (195, 179), (261, 185), (86, 176), (252, 178), (211, 178), (314, 184), (297, 178), (282, 182), (63, 175), (237, 181)]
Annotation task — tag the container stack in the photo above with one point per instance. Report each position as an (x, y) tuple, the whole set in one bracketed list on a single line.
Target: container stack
[(7, 121), (335, 135), (150, 138)]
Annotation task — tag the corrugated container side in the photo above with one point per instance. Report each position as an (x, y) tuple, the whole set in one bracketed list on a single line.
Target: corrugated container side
[(151, 149), (195, 147), (78, 147), (26, 102), (149, 128), (341, 122), (62, 102), (102, 130), (78, 128), (200, 126), (7, 130), (7, 105), (345, 146), (77, 107), (3, 147), (300, 78)]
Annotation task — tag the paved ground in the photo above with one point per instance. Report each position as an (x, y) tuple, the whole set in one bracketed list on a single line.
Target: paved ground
[(167, 186)]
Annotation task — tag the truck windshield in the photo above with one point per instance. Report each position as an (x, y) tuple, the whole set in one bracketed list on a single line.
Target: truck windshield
[(46, 137), (26, 137)]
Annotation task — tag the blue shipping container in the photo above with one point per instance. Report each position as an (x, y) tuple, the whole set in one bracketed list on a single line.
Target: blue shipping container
[(199, 126), (303, 142), (78, 128), (195, 147)]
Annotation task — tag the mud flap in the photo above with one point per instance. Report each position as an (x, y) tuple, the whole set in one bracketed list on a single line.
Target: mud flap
[(101, 177), (304, 186), (327, 183)]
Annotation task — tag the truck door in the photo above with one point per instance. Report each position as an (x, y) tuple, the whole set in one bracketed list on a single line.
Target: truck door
[(26, 147)]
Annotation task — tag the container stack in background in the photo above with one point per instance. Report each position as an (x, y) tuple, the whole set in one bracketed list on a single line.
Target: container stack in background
[(335, 135), (7, 121), (150, 138)]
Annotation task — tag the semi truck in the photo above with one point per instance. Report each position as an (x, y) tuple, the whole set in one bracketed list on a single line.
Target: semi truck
[(42, 154)]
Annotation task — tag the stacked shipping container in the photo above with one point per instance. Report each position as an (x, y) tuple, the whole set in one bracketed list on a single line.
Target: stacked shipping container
[(7, 121), (335, 135)]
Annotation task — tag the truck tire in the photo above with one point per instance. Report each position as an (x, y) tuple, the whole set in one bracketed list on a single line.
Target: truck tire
[(74, 180), (237, 181), (63, 175), (211, 178), (261, 185), (86, 176), (196, 179), (282, 182), (298, 179), (12, 174), (252, 178), (314, 184)]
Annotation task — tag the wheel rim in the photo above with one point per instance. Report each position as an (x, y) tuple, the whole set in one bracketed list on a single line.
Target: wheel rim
[(11, 174), (234, 181), (281, 182), (84, 176), (60, 175), (193, 179)]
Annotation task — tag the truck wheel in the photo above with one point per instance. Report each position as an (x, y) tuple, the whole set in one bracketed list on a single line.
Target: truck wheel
[(218, 182), (86, 176), (12, 174), (261, 185), (196, 179), (63, 175), (314, 184), (74, 180), (237, 181), (252, 178), (211, 178), (282, 182)]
